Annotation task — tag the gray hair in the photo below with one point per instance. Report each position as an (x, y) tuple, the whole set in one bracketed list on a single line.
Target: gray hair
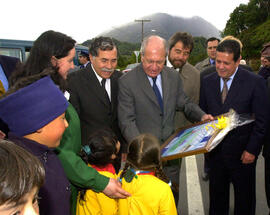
[(102, 43), (146, 40)]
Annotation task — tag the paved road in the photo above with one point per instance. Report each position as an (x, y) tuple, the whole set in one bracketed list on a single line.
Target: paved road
[(194, 199)]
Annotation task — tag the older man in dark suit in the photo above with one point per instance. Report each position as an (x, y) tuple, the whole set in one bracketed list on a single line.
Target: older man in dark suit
[(94, 90), (7, 66), (234, 159)]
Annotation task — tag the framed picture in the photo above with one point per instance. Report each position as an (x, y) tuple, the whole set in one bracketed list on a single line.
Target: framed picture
[(203, 136), (190, 140)]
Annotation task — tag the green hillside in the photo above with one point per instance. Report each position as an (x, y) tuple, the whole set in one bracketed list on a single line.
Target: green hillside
[(251, 24)]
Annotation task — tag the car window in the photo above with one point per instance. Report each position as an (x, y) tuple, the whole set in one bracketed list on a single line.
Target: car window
[(12, 52)]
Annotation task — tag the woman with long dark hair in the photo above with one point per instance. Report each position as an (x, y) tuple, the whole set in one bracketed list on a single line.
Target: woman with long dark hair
[(56, 50)]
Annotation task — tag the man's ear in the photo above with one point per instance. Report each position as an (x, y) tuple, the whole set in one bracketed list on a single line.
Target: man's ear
[(91, 58), (54, 61), (238, 61)]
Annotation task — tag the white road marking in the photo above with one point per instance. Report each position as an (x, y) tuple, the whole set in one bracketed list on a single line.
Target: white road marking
[(194, 193)]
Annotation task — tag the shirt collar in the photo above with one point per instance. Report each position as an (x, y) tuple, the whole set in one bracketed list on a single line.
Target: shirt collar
[(98, 77), (232, 76), (211, 61), (108, 168)]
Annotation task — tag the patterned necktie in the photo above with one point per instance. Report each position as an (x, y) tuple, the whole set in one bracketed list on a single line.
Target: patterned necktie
[(158, 95), (105, 91), (224, 91)]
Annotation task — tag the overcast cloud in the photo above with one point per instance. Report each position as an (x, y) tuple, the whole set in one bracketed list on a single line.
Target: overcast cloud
[(85, 19)]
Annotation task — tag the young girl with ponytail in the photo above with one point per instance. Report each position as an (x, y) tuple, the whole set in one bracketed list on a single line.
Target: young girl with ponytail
[(144, 179), (99, 153)]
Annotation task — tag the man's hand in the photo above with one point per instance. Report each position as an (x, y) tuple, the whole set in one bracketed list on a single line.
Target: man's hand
[(115, 191), (247, 157), (207, 117)]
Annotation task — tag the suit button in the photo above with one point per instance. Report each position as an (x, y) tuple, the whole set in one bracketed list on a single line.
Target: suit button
[(161, 114), (109, 114)]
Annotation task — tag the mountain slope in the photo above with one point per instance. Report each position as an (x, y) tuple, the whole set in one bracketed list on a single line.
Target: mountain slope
[(163, 25)]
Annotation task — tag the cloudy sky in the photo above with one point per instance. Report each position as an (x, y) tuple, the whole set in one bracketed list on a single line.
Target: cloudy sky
[(85, 19)]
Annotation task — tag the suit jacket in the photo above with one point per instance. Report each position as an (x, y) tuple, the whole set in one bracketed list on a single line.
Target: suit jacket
[(212, 68), (87, 97), (203, 64), (266, 147), (8, 65), (190, 77), (247, 95), (138, 108)]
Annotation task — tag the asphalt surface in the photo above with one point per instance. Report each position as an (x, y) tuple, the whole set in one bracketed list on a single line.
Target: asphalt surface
[(193, 194)]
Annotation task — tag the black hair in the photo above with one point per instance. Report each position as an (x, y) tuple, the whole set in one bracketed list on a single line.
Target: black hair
[(231, 47), (47, 45), (184, 37), (212, 39), (20, 173), (144, 154), (101, 43), (98, 151)]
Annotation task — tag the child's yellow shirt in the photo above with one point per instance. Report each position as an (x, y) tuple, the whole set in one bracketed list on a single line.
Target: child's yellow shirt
[(98, 203), (149, 195)]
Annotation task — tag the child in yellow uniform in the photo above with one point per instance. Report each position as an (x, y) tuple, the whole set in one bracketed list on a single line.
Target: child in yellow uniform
[(144, 179), (99, 153)]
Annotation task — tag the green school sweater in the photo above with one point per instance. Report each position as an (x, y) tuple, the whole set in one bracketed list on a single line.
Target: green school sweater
[(78, 173)]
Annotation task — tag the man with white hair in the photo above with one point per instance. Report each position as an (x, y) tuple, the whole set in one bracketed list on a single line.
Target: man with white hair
[(149, 96)]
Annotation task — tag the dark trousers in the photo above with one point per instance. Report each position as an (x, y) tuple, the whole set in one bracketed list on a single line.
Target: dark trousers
[(172, 171), (242, 176), (267, 179), (206, 163)]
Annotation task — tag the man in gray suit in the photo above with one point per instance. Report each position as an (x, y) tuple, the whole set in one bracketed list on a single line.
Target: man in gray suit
[(142, 109)]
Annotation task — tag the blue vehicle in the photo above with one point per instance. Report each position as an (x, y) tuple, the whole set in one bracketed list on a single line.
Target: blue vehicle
[(21, 49)]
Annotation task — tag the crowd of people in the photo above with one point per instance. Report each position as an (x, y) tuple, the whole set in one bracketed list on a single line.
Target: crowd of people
[(88, 142)]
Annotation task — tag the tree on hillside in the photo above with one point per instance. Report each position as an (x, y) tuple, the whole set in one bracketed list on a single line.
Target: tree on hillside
[(247, 16), (199, 51), (257, 12), (236, 24), (250, 23)]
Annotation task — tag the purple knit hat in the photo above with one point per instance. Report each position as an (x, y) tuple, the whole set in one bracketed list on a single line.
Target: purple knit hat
[(32, 107)]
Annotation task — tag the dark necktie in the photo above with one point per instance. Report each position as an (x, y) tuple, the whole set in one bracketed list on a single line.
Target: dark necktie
[(105, 91), (224, 91), (81, 66), (158, 95)]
